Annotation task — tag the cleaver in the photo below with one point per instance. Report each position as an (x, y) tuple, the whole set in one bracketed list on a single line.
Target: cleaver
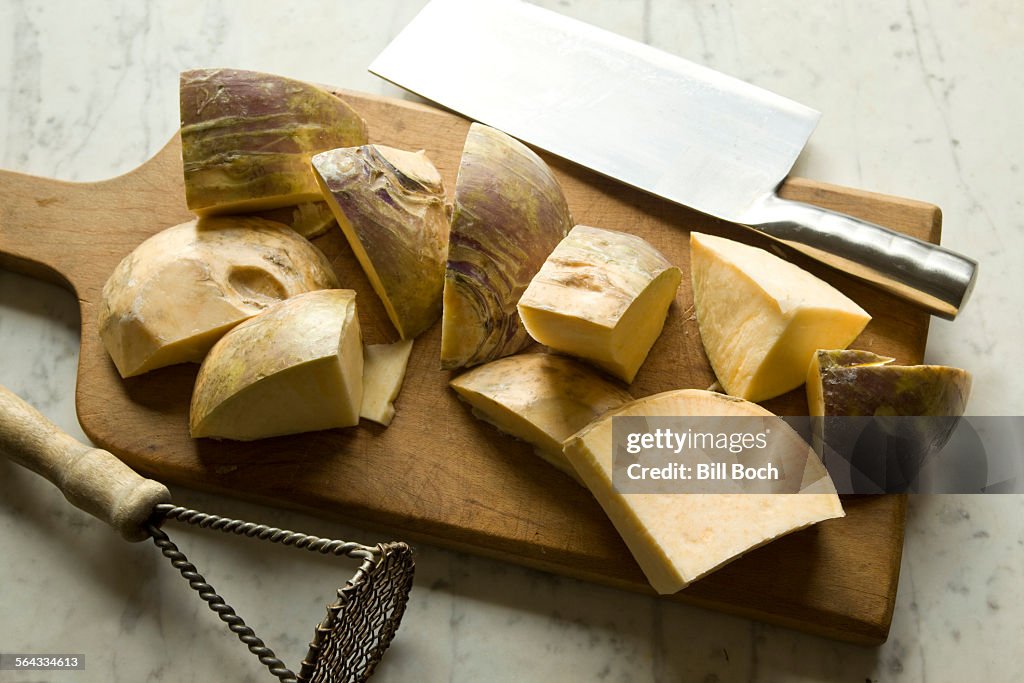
[(657, 122)]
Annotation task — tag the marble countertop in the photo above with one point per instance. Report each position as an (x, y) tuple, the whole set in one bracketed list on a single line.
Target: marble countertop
[(919, 99)]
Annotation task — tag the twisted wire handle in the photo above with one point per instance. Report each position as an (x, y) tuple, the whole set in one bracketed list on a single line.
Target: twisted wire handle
[(216, 603), (221, 608), (263, 532)]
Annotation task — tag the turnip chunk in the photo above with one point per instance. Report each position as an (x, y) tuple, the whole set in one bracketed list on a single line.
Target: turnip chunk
[(297, 367), (602, 295), (850, 382), (509, 214), (247, 138), (855, 383), (384, 368), (762, 318), (179, 291), (540, 398), (390, 205), (677, 538)]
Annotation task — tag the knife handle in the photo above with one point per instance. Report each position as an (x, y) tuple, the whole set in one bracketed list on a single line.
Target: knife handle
[(92, 479), (925, 274)]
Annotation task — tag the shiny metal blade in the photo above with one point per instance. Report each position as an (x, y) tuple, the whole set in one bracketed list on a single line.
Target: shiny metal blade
[(632, 112)]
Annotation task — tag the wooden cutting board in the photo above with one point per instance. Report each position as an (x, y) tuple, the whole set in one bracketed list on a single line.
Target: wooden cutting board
[(437, 475)]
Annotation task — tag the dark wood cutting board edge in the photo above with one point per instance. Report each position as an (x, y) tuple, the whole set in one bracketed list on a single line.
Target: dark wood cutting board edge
[(482, 493)]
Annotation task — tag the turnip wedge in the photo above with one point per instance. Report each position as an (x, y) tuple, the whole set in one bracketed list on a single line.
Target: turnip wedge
[(510, 213)]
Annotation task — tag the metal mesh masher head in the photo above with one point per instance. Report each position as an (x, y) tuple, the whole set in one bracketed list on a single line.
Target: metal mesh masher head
[(350, 641), (359, 626)]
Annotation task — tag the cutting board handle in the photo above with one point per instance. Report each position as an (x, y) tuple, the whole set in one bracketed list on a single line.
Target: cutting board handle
[(92, 479), (33, 239), (74, 234)]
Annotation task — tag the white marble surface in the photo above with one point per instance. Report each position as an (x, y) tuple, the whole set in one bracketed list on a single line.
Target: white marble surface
[(920, 99)]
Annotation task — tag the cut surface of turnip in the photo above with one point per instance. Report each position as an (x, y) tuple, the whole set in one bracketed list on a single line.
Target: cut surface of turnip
[(602, 295), (180, 290), (540, 398), (677, 538), (384, 367), (296, 367), (762, 318), (390, 205)]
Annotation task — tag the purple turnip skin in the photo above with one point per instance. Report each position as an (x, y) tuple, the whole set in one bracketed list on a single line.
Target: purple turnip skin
[(391, 206), (855, 384), (861, 383), (509, 215), (247, 138)]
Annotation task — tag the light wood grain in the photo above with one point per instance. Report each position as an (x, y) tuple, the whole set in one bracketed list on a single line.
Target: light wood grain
[(437, 475), (91, 479)]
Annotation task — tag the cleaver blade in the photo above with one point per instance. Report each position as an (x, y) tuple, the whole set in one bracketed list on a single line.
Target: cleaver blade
[(655, 121)]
